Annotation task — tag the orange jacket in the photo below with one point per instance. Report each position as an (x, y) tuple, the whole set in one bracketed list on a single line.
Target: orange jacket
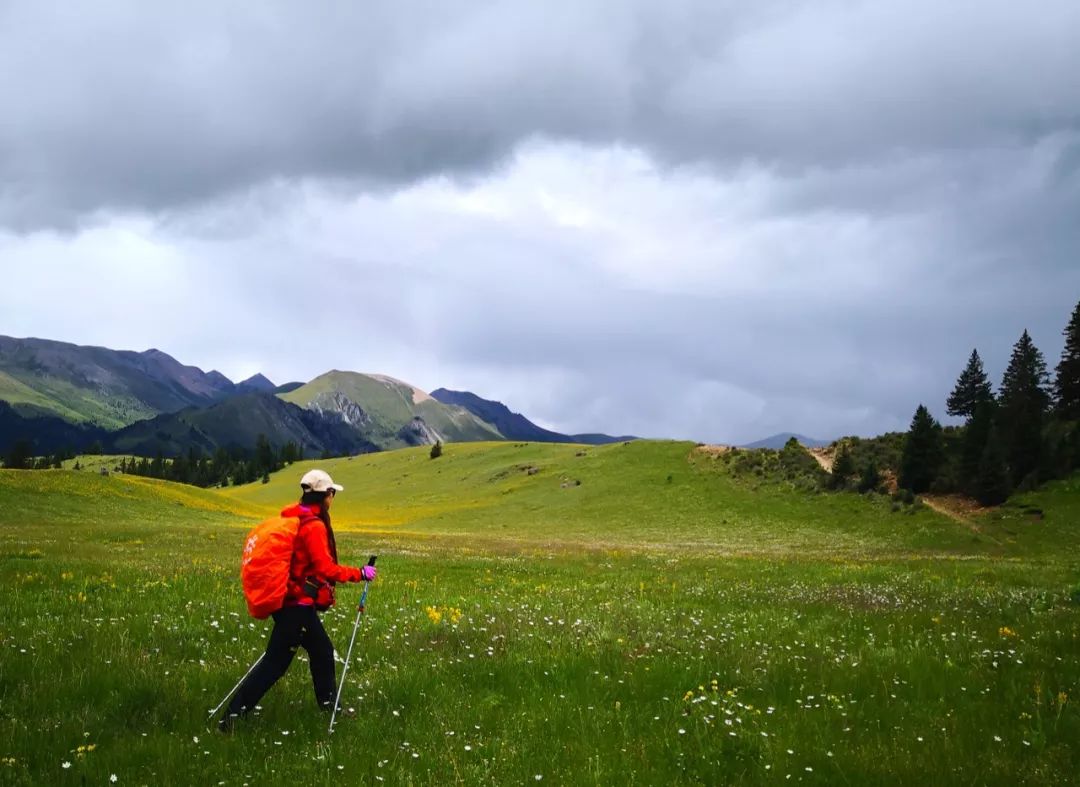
[(313, 559)]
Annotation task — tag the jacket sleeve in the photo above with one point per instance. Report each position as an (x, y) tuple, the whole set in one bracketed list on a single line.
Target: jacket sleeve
[(314, 536)]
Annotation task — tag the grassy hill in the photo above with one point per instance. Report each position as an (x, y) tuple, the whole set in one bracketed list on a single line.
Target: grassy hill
[(662, 622), (383, 410), (642, 493)]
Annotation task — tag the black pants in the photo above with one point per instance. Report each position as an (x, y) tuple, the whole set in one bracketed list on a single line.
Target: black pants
[(293, 627)]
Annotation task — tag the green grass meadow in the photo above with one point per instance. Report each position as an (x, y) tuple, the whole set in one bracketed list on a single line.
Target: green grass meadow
[(552, 614)]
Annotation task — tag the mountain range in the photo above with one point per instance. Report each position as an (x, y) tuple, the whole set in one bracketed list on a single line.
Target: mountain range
[(57, 395), (777, 441), (515, 426)]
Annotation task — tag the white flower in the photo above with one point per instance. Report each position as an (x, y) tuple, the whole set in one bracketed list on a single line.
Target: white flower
[(112, 778), (194, 738), (538, 776), (468, 748), (65, 765)]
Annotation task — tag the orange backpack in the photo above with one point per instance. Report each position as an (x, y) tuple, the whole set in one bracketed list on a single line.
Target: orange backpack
[(264, 569)]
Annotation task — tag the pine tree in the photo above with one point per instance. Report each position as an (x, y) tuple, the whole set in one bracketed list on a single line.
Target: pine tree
[(1067, 382), (870, 477), (19, 456), (843, 468), (922, 454), (971, 388), (992, 484), (973, 444), (1024, 401)]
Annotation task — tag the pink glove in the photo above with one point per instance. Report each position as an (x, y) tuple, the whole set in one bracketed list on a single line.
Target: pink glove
[(367, 573)]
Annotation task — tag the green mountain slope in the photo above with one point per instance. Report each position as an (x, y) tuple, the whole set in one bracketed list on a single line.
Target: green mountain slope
[(110, 388), (388, 412), (641, 493), (236, 423)]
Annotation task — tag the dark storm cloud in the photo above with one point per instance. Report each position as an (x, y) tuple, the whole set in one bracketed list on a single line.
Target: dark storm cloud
[(711, 220), (136, 106)]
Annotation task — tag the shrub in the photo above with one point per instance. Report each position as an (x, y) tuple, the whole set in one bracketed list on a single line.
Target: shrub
[(904, 496)]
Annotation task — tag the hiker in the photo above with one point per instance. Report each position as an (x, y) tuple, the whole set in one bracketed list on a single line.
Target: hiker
[(313, 571)]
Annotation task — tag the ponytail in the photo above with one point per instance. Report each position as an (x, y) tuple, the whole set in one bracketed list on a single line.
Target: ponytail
[(318, 500)]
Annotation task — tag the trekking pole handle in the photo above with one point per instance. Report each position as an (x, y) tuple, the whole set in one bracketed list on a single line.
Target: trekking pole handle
[(363, 596)]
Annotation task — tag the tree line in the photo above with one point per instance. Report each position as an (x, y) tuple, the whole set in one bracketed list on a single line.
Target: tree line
[(227, 466), (1026, 433)]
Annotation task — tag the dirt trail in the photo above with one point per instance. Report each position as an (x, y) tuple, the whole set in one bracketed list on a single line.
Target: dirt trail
[(712, 450), (956, 508), (935, 504), (824, 457), (959, 509)]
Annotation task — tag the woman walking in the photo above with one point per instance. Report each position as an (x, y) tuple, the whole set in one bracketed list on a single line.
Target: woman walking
[(313, 572)]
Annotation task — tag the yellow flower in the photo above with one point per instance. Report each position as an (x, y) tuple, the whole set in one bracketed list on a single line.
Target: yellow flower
[(688, 696), (433, 614), (1005, 631)]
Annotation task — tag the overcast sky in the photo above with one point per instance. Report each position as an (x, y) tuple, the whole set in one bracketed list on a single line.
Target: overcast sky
[(708, 220)]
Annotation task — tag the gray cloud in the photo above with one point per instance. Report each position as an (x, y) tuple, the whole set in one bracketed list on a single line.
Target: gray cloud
[(133, 107), (690, 219)]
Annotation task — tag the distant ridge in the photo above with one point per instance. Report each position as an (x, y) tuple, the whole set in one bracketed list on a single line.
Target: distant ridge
[(777, 441), (515, 426), (108, 388), (387, 412), (235, 424), (255, 384), (59, 396)]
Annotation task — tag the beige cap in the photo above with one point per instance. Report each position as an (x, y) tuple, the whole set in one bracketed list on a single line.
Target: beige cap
[(319, 481)]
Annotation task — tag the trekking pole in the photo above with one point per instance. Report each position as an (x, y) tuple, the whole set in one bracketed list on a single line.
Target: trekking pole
[(234, 688), (348, 655)]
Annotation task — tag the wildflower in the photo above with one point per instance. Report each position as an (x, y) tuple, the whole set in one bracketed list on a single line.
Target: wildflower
[(65, 765), (1005, 631), (538, 776), (112, 778), (434, 615)]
